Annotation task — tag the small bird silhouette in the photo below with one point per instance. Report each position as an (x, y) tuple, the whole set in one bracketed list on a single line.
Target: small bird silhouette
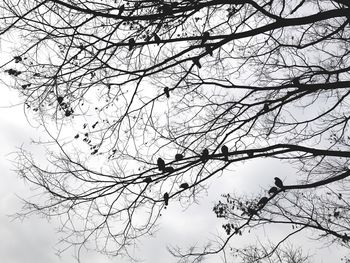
[(205, 37), (209, 50), (250, 154), (59, 99), (18, 59), (196, 62), (161, 164), (278, 182), (184, 185), (169, 169), (266, 107), (262, 201), (251, 211), (157, 38), (205, 155), (131, 43), (224, 150), (178, 157), (166, 91), (296, 81), (166, 198), (272, 190), (68, 113), (148, 180), (121, 9)]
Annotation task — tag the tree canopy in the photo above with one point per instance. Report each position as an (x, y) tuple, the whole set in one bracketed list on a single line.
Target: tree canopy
[(145, 102)]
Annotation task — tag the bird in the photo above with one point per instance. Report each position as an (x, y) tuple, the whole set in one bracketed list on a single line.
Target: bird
[(147, 180), (121, 9), (251, 211), (205, 37), (166, 198), (266, 107), (17, 59), (273, 190), (178, 157), (205, 155), (209, 50), (296, 81), (131, 43), (157, 38), (161, 164), (184, 185), (196, 62), (224, 150), (278, 182), (250, 154), (166, 91), (68, 113), (262, 201), (60, 99), (169, 169)]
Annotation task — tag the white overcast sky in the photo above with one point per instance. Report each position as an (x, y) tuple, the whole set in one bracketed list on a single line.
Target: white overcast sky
[(33, 240)]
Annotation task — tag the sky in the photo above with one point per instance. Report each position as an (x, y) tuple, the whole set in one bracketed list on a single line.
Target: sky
[(33, 240)]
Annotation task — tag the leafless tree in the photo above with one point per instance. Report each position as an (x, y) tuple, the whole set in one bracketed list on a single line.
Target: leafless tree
[(139, 99), (288, 254)]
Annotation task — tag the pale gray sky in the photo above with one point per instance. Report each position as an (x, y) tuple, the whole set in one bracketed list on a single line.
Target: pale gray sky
[(34, 239)]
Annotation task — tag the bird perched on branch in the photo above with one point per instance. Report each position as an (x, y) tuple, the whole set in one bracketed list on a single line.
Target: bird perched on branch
[(345, 238), (131, 43), (272, 190), (278, 182), (209, 50), (178, 157), (166, 92), (266, 107), (169, 169), (205, 155), (68, 113), (161, 164), (121, 9), (60, 99), (262, 201), (157, 39), (251, 211), (296, 82), (184, 185), (205, 37), (250, 154), (148, 180), (224, 150), (166, 198), (196, 62)]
